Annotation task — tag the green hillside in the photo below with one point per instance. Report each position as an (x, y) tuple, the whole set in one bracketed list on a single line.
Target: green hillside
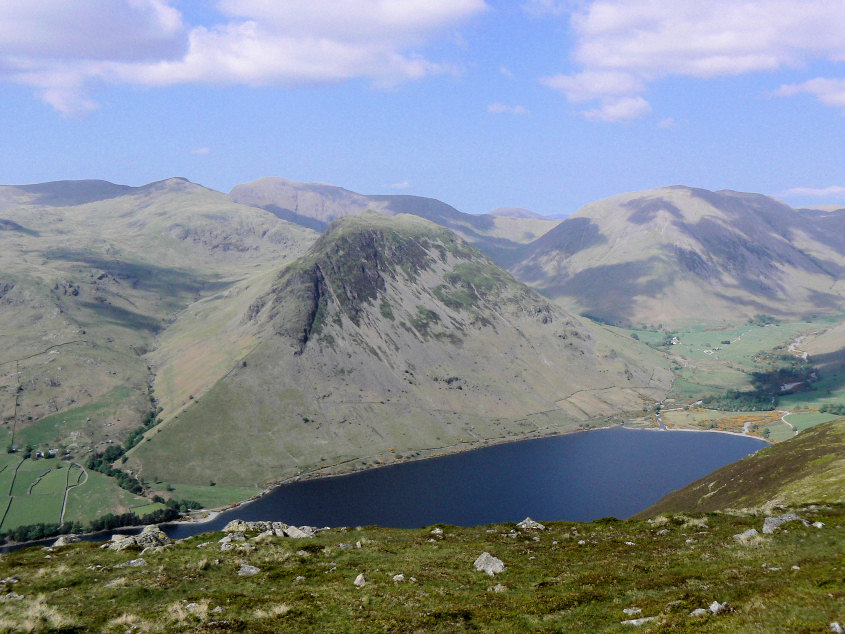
[(352, 366), (570, 577), (807, 468)]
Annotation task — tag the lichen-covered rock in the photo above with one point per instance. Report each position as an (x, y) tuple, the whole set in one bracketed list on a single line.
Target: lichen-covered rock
[(489, 564), (150, 536), (247, 571), (64, 540), (360, 581), (771, 524)]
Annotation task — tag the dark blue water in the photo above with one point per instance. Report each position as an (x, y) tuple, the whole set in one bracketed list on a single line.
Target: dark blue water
[(577, 477)]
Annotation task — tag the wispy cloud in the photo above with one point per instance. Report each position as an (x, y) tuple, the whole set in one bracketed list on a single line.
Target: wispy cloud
[(623, 45), (504, 70), (500, 108), (201, 151), (63, 48), (831, 92), (823, 192), (402, 185)]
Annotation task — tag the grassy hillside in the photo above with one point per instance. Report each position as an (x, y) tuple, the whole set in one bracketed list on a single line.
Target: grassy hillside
[(680, 256), (569, 577), (810, 466), (429, 347)]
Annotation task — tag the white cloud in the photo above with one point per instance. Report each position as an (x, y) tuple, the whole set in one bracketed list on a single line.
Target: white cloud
[(504, 70), (825, 192), (639, 41), (667, 123), (402, 185), (625, 109), (257, 42), (500, 108), (201, 151), (831, 92)]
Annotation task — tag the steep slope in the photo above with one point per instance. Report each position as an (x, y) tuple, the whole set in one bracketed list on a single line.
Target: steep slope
[(680, 255), (314, 205), (807, 468), (90, 274), (389, 337)]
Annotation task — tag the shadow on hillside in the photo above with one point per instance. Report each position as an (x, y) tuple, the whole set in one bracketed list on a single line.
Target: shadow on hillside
[(173, 282)]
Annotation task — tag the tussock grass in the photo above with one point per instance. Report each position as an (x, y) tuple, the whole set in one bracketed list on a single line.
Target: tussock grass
[(570, 577)]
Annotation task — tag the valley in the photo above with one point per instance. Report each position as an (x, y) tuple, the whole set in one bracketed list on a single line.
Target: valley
[(199, 346)]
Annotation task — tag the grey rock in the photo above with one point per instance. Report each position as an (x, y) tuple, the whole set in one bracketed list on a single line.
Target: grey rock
[(771, 524), (818, 524), (247, 571), (640, 621), (530, 525), (437, 531), (150, 536), (699, 612), (632, 611), (11, 596), (499, 588), (133, 563), (399, 577), (360, 581), (717, 607), (835, 627), (748, 537), (299, 533), (489, 564), (64, 540)]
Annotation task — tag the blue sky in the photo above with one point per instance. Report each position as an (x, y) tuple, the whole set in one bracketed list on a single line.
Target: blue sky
[(543, 104)]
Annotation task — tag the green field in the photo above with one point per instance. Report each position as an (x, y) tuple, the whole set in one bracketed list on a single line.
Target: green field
[(98, 496), (803, 420), (33, 509)]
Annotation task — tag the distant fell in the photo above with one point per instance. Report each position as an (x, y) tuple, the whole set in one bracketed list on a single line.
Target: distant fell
[(314, 205), (680, 255)]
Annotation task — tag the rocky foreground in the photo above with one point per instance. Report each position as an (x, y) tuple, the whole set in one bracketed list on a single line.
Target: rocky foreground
[(713, 573)]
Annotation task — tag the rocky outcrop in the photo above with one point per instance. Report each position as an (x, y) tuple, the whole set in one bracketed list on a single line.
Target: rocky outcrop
[(150, 537), (280, 529), (771, 524)]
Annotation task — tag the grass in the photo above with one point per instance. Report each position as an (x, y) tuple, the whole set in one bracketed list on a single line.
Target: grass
[(98, 496), (570, 577), (33, 509), (804, 420)]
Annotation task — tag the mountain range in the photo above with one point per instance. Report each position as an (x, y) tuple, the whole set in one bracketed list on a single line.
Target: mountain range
[(288, 329)]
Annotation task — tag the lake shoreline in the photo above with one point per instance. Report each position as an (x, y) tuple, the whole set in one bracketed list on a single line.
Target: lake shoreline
[(212, 514)]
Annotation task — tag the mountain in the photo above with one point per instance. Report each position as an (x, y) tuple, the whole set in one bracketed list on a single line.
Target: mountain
[(90, 274), (679, 255), (807, 468), (314, 205), (516, 212), (389, 338)]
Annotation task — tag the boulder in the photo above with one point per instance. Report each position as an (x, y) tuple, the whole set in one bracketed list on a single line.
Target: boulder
[(134, 563), (299, 533), (247, 571), (835, 627), (751, 536), (530, 525), (771, 524), (699, 612), (360, 581), (64, 540), (236, 526), (489, 564), (399, 577), (717, 607)]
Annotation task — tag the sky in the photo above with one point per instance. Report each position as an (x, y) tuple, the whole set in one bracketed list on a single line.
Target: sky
[(542, 104)]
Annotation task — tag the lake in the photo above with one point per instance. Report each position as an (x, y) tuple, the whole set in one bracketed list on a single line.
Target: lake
[(575, 477)]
